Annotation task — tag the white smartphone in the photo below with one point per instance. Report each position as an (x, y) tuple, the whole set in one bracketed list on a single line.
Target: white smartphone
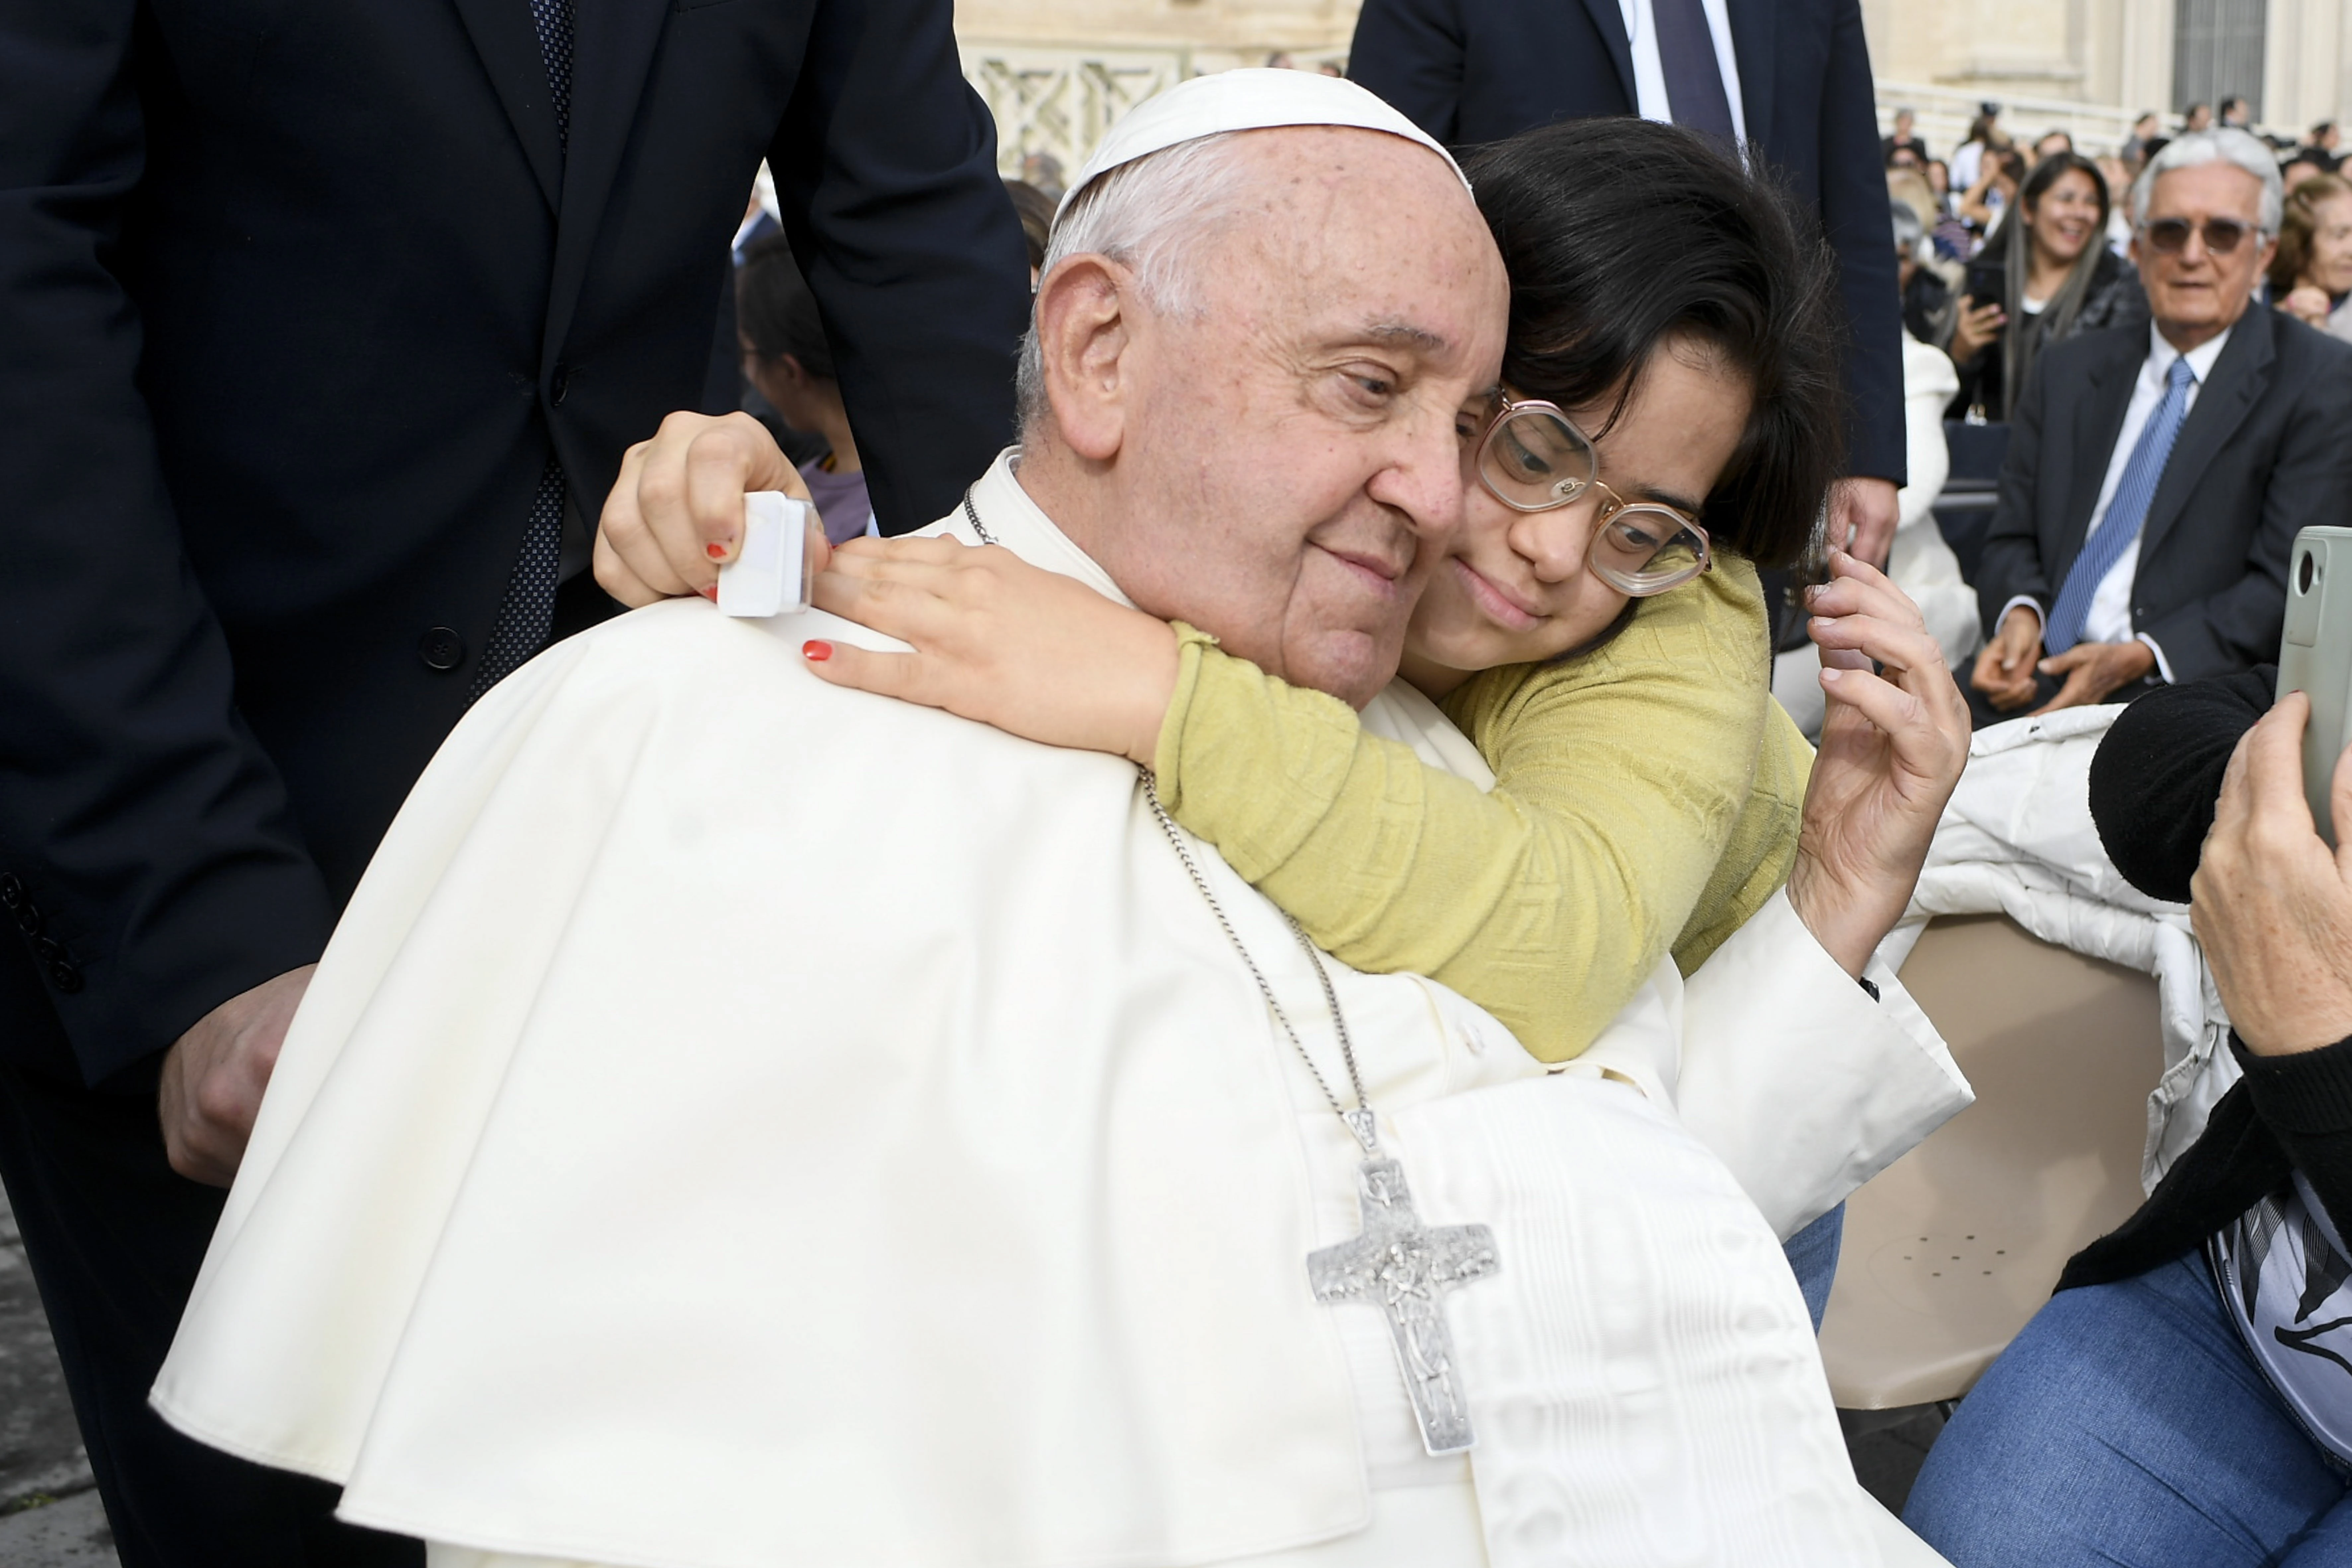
[(774, 572), (2316, 657)]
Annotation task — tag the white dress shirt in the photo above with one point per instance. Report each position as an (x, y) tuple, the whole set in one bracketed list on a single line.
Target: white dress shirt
[(1650, 75), (2110, 618)]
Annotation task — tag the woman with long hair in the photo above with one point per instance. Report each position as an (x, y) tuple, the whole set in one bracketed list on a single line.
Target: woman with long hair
[(2046, 275)]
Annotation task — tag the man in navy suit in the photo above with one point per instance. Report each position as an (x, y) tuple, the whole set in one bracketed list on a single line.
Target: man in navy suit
[(1787, 79), (2156, 475), (327, 328)]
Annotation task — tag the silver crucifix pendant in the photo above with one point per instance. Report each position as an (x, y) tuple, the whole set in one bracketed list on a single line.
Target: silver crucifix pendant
[(1404, 1268)]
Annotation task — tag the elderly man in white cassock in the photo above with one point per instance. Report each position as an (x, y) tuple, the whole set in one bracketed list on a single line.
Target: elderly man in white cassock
[(745, 1122)]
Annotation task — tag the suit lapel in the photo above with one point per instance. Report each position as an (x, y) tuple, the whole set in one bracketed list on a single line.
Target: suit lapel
[(1608, 19), (1752, 45), (2098, 425), (504, 38), (613, 48), (2238, 378)]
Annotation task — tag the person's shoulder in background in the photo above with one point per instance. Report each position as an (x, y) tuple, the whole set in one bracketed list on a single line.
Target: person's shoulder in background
[(2156, 776)]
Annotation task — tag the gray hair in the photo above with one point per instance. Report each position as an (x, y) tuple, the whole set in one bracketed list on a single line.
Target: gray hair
[(1908, 230), (2223, 144), (1150, 216)]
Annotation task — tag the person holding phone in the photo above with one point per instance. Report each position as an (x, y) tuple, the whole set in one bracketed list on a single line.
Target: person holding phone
[(2185, 1397), (2046, 275)]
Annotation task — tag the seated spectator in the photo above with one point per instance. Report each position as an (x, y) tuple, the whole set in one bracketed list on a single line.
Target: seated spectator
[(1904, 137), (2195, 118), (2054, 277), (1984, 134), (1929, 306), (2236, 114), (787, 358), (2147, 129), (2156, 476), (1919, 563), (2053, 143), (1036, 210), (2117, 174), (2320, 151), (2184, 1398), (2311, 274), (1993, 192)]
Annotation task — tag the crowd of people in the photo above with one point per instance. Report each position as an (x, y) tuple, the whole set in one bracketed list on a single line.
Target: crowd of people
[(1273, 920)]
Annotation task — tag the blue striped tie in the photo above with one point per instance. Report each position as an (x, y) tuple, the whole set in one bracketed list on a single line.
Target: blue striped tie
[(2120, 530)]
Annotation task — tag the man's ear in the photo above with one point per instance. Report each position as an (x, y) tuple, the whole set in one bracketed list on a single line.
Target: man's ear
[(1083, 339)]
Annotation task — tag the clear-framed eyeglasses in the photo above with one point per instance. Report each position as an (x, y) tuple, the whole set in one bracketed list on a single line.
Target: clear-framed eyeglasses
[(1532, 457)]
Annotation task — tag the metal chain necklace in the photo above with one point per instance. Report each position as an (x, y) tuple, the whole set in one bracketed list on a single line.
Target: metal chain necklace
[(1397, 1264)]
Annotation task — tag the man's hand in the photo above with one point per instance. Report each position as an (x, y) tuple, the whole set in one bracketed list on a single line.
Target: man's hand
[(1863, 515), (214, 1075), (2271, 903), (2004, 670), (675, 514), (2095, 669), (1892, 750)]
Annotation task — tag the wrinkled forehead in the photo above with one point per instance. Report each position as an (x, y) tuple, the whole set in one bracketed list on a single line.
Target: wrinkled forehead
[(1356, 231)]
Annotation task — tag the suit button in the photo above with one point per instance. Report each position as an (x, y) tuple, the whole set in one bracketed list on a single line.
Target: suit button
[(559, 385), (28, 917), (65, 977), (441, 649), (12, 891)]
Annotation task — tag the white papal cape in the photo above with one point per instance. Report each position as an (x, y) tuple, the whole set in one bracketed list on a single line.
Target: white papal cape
[(742, 1123)]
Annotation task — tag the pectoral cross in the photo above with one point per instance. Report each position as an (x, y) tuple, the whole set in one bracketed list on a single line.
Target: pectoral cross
[(1404, 1268)]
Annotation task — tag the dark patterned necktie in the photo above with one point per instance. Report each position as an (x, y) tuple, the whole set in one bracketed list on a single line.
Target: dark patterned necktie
[(529, 606), (1693, 73)]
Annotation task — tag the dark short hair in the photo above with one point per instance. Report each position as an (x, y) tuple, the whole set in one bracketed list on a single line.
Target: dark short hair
[(1619, 233), (774, 310), (1035, 210)]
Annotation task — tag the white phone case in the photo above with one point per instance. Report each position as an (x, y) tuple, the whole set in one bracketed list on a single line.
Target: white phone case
[(773, 573)]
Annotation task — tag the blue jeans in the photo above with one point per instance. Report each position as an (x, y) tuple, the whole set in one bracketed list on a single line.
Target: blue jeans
[(1813, 1258), (2127, 1427)]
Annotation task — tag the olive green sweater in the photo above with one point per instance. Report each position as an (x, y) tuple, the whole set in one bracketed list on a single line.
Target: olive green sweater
[(1646, 799)]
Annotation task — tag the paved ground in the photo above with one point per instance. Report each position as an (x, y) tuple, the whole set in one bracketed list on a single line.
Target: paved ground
[(49, 1516)]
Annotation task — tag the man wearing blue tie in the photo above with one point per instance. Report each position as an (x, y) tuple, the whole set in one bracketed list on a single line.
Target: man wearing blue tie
[(2156, 481)]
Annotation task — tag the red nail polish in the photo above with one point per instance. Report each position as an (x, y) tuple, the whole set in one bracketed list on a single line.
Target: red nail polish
[(710, 593), (816, 652), (715, 551)]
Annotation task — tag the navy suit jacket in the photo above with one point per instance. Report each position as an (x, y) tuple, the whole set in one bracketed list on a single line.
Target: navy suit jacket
[(1479, 70), (2266, 451), (297, 300)]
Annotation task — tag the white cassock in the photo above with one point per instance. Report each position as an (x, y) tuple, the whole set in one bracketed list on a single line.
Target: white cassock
[(741, 1122)]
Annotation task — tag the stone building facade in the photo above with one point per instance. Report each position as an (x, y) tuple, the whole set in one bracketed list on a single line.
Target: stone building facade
[(1057, 71)]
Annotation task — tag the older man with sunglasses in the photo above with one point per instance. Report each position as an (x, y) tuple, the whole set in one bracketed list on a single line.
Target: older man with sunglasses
[(2155, 479)]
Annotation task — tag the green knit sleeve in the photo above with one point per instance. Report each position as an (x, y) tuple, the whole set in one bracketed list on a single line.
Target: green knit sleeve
[(1547, 901)]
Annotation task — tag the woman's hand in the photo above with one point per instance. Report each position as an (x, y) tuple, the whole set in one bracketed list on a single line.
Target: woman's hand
[(1978, 326), (1892, 750), (2308, 304), (1030, 651), (2271, 903), (675, 513)]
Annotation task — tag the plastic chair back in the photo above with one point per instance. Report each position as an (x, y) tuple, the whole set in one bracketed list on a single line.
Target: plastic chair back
[(1950, 1249)]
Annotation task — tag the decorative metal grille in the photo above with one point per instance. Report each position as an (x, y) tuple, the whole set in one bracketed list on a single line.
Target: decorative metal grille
[(1061, 103)]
